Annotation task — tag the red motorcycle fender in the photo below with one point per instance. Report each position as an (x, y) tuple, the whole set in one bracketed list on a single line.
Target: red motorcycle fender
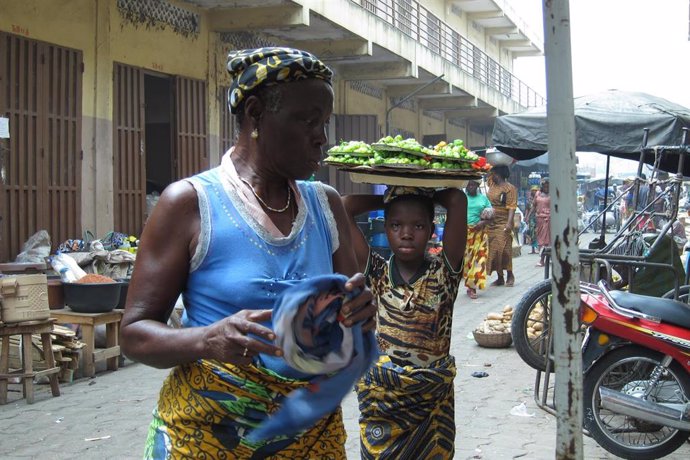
[(593, 349)]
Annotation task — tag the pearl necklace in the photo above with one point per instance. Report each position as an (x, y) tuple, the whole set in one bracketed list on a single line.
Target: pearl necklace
[(289, 192)]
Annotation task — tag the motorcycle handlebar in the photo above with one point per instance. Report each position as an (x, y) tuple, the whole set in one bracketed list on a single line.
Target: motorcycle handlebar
[(603, 287)]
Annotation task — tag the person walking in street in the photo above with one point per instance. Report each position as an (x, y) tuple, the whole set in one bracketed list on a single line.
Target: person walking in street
[(542, 210), (479, 215), (503, 198), (231, 240), (406, 401), (531, 218)]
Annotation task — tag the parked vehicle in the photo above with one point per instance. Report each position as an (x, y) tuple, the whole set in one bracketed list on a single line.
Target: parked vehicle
[(636, 367), (656, 275), (530, 327)]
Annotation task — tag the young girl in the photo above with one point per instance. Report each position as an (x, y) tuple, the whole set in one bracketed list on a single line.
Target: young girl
[(406, 400)]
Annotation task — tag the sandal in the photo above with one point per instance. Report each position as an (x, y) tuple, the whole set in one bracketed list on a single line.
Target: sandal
[(539, 264), (471, 293), (510, 282), (498, 283)]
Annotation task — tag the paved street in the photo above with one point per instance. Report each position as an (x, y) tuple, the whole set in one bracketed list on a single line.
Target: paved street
[(107, 417)]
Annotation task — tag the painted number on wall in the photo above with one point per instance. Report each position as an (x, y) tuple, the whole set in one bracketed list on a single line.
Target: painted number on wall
[(20, 30), (157, 66)]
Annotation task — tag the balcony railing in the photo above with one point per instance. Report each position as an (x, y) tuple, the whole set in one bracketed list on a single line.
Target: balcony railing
[(422, 26)]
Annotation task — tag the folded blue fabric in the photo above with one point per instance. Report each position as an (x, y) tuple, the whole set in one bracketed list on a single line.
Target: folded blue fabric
[(315, 343)]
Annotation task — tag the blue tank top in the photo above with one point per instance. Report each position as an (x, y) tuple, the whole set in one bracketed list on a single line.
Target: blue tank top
[(238, 265)]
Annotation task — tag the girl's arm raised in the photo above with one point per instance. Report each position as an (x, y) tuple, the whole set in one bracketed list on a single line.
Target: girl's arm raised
[(354, 206), (455, 231)]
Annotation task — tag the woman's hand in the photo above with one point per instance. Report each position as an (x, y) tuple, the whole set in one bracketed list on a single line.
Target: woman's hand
[(360, 308), (228, 340)]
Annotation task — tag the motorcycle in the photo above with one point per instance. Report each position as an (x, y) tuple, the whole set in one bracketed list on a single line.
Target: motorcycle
[(531, 324), (636, 364)]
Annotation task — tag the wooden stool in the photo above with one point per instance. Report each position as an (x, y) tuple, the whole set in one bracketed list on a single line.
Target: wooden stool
[(27, 374), (88, 322)]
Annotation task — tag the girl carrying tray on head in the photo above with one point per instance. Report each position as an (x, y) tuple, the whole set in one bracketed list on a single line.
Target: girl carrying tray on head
[(407, 400)]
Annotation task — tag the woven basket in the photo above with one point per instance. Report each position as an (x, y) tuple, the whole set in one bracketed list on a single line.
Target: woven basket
[(495, 340)]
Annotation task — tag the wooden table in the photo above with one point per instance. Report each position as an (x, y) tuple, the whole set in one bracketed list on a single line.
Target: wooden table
[(27, 373), (88, 322)]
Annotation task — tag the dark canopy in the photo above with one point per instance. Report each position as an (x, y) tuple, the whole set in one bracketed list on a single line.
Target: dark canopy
[(610, 122)]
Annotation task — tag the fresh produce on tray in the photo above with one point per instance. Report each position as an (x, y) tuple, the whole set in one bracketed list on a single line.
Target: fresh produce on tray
[(407, 155), (397, 143), (457, 152), (345, 160), (352, 148), (354, 159), (454, 151)]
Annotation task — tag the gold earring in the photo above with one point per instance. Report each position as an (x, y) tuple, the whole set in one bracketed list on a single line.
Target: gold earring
[(255, 134)]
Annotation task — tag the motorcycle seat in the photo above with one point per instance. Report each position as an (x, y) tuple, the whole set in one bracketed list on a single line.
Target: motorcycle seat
[(667, 310)]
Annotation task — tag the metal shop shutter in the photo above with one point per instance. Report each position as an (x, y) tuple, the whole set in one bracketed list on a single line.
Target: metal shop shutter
[(191, 145), (40, 93), (129, 156)]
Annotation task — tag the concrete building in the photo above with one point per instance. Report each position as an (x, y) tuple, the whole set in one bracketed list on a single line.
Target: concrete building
[(111, 100)]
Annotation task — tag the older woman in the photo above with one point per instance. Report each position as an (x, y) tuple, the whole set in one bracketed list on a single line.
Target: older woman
[(231, 240), (479, 214), (503, 198)]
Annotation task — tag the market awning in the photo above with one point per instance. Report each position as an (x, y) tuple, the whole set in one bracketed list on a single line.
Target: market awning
[(611, 122)]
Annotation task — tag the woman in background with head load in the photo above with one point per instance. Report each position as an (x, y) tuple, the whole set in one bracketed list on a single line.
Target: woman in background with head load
[(479, 215), (232, 240), (542, 210), (503, 197)]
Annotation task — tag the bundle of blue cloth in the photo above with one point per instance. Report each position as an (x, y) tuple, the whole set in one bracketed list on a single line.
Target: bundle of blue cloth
[(307, 324)]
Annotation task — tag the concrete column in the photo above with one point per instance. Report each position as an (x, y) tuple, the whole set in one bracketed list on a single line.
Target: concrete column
[(97, 172), (215, 98)]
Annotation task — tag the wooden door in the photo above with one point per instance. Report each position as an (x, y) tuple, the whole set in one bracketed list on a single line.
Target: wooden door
[(40, 94), (62, 144), (129, 149), (191, 132)]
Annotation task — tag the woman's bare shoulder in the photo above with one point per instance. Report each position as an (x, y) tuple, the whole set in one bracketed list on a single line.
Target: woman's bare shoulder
[(180, 194), (178, 203)]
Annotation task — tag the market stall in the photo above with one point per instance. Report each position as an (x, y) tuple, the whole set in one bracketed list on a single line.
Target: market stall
[(635, 126), (610, 123), (60, 313)]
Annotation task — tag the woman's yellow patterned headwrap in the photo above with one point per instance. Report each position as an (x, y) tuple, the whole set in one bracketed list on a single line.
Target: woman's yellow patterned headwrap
[(253, 68)]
